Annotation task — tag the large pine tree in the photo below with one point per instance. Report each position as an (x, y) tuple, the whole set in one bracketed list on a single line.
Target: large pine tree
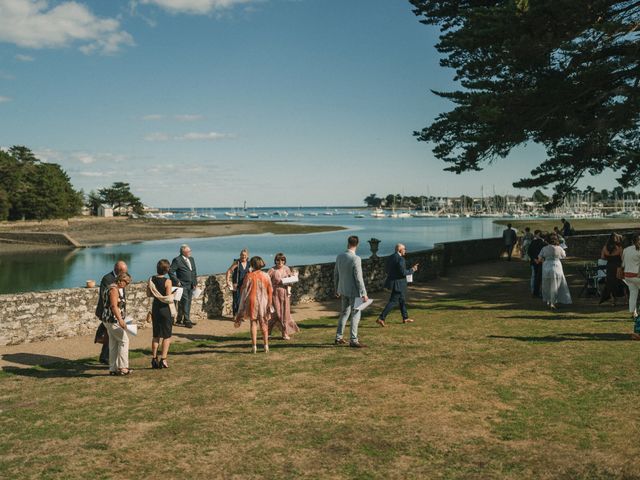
[(560, 73)]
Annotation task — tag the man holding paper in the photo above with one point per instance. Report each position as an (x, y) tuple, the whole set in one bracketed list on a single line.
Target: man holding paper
[(397, 278), (349, 285), (183, 270)]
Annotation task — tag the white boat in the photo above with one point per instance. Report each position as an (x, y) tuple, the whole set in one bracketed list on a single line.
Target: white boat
[(378, 213), (254, 215), (298, 214)]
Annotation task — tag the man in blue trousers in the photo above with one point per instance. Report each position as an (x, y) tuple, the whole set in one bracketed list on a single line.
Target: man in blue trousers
[(396, 281)]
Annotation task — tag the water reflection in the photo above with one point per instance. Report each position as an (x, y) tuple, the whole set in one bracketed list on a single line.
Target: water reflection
[(63, 269)]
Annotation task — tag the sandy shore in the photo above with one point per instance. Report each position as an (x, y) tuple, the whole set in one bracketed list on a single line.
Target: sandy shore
[(93, 231)]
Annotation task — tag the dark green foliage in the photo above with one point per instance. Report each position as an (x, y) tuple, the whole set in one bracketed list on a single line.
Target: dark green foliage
[(119, 196), (33, 190), (560, 73)]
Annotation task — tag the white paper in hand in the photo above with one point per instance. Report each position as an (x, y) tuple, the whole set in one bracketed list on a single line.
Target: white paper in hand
[(197, 292), (177, 293), (132, 328), (290, 280), (360, 305), (410, 278)]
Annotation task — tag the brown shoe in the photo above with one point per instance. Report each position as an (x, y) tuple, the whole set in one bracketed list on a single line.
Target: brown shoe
[(635, 336), (357, 345), (340, 341), (380, 322), (408, 320)]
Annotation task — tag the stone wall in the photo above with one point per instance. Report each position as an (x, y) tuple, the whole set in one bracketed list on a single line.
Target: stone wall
[(36, 316), (590, 245), (56, 239)]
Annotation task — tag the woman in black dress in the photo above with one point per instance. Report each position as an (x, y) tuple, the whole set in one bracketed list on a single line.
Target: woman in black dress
[(162, 313), (612, 253)]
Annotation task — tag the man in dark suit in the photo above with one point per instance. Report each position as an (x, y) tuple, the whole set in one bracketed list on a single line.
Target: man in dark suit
[(537, 244), (183, 272), (108, 279), (566, 228), (397, 281), (510, 238)]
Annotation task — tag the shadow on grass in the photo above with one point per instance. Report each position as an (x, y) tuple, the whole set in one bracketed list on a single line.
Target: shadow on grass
[(570, 337), (62, 369)]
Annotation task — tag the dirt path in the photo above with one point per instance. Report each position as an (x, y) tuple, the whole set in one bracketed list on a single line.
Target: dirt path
[(459, 281)]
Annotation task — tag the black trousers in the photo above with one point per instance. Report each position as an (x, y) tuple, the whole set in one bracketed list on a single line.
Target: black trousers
[(537, 279)]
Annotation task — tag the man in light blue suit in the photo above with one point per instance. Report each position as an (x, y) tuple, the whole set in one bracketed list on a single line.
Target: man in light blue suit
[(349, 285)]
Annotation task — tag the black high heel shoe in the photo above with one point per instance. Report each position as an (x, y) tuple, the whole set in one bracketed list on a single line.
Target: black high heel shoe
[(163, 363), (154, 363)]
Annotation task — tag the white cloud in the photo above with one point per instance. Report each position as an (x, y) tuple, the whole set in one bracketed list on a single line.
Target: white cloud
[(191, 136), (24, 58), (204, 136), (196, 7), (188, 118), (95, 174), (32, 24), (4, 99), (153, 117), (157, 137)]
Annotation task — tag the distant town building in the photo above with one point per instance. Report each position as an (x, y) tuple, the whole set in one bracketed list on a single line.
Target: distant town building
[(105, 211)]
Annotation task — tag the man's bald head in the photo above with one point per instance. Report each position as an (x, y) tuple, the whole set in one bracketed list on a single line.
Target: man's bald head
[(120, 267)]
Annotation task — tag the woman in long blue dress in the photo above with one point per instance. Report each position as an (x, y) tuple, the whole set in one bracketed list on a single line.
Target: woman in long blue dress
[(235, 276)]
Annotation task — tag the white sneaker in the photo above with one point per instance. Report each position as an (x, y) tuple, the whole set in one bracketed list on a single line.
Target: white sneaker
[(266, 349), (254, 349)]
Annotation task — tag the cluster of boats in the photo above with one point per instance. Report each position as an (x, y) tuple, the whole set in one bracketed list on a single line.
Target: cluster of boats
[(208, 214)]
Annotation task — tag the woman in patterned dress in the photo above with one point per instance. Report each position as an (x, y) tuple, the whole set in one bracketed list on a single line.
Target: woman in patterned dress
[(281, 298), (256, 302)]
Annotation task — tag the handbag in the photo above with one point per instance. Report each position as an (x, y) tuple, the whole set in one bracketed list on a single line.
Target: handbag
[(101, 335), (620, 273)]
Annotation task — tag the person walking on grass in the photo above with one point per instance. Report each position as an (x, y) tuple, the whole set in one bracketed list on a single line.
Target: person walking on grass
[(256, 297), (396, 281), (349, 285), (113, 318)]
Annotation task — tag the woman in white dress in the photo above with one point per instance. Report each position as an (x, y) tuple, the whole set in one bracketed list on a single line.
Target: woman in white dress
[(554, 286), (631, 265)]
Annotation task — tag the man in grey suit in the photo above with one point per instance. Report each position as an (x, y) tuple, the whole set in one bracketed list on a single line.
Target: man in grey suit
[(183, 272), (349, 285)]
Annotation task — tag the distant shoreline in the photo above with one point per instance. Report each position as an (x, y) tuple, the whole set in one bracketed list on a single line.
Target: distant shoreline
[(578, 224), (98, 231)]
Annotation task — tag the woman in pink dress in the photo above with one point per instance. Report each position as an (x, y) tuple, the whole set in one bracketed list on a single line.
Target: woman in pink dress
[(281, 298), (255, 302)]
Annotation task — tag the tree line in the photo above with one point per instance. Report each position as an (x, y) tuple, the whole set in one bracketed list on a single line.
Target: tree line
[(34, 190), (409, 201)]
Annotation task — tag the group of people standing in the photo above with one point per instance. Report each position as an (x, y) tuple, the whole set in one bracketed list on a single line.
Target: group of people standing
[(545, 252), (262, 298), (165, 311)]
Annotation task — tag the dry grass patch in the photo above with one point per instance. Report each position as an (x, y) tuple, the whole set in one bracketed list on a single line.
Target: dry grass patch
[(487, 384)]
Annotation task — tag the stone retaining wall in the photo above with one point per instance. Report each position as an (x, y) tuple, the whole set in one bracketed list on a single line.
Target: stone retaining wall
[(37, 316), (56, 239)]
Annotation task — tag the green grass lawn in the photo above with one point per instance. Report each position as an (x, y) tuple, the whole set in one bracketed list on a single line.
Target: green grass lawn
[(485, 385)]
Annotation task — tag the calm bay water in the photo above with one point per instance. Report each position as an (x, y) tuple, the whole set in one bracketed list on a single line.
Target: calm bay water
[(46, 271)]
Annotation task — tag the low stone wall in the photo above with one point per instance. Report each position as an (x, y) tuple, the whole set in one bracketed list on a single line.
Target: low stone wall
[(60, 239), (590, 245), (36, 316)]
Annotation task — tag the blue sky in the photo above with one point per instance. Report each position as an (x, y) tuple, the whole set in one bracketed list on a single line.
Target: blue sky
[(213, 102)]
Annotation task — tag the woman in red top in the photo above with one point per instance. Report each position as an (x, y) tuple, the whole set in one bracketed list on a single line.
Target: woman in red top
[(256, 302)]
